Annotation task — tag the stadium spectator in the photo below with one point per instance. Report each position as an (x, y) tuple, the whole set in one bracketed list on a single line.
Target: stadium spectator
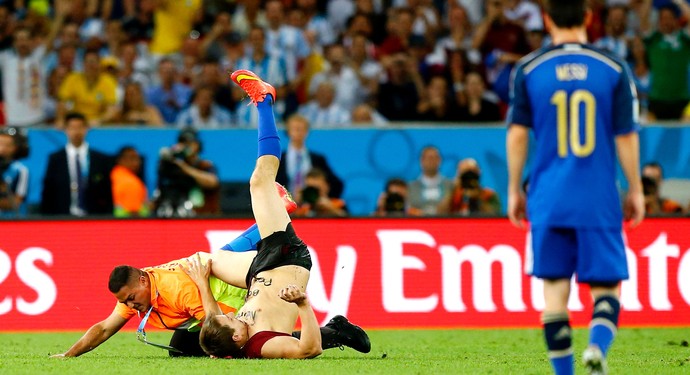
[(272, 66), (130, 198), (427, 191), (399, 26), (374, 11), (204, 113), (399, 95), (138, 20), (212, 44), (134, 110), (170, 96), (24, 76), (525, 13), (393, 201), (233, 50), (368, 70), (617, 39), (477, 108), (190, 57), (358, 24), (284, 41), (364, 114), (92, 93), (14, 175), (459, 37), (323, 111), (502, 43), (55, 79), (668, 50), (172, 23), (248, 14), (437, 105), (314, 199), (7, 24), (212, 77), (187, 184), (655, 204), (77, 177), (344, 79), (298, 160), (316, 22), (468, 197), (83, 14), (133, 66), (641, 74)]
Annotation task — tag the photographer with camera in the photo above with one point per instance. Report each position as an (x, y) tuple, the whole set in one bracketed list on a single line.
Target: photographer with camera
[(15, 176), (393, 200), (468, 197), (655, 204), (313, 199), (187, 185)]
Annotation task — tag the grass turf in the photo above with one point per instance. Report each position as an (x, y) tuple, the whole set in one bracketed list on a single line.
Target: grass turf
[(514, 351)]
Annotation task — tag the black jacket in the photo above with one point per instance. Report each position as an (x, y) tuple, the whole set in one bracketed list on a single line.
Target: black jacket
[(317, 161), (56, 197)]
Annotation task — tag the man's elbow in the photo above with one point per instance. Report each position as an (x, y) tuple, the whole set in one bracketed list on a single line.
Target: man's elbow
[(312, 352)]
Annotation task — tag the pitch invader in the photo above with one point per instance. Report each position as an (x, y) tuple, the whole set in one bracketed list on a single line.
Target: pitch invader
[(581, 104)]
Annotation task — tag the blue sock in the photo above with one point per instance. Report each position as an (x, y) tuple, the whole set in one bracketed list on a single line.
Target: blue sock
[(269, 142), (245, 241), (604, 323), (558, 336)]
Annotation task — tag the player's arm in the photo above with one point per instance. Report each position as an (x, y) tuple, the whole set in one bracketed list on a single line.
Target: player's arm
[(96, 335), (628, 147), (309, 343), (199, 273), (625, 124), (517, 142)]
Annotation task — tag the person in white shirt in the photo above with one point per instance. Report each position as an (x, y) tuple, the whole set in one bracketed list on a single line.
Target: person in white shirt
[(323, 111), (24, 75)]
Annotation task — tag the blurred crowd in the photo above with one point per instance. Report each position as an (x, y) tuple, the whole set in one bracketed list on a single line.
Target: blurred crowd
[(334, 63)]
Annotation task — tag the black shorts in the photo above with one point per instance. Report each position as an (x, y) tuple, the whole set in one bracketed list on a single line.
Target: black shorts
[(279, 249)]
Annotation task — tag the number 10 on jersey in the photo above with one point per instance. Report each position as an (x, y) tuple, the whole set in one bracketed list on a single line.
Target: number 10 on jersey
[(568, 112)]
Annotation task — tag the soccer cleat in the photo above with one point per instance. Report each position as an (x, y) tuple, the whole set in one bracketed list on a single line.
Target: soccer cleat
[(350, 334), (290, 204), (594, 361), (253, 85)]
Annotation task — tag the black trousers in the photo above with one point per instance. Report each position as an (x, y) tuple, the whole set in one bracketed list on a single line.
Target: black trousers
[(188, 342)]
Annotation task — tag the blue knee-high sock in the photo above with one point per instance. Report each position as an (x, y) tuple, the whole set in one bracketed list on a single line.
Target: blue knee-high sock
[(245, 241), (269, 142), (604, 323), (558, 336)]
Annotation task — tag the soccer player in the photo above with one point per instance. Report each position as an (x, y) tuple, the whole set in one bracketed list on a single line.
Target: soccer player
[(582, 107), (276, 278)]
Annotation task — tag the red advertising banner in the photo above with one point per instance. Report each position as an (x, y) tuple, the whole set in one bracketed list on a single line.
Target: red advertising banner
[(381, 273)]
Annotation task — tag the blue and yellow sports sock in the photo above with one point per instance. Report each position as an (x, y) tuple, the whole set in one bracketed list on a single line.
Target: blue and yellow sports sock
[(269, 142), (244, 242), (604, 323), (558, 336)]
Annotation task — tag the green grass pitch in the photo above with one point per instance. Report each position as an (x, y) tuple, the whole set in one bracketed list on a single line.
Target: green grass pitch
[(510, 351)]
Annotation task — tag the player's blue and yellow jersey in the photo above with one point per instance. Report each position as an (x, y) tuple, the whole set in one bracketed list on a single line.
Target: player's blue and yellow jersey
[(576, 99)]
